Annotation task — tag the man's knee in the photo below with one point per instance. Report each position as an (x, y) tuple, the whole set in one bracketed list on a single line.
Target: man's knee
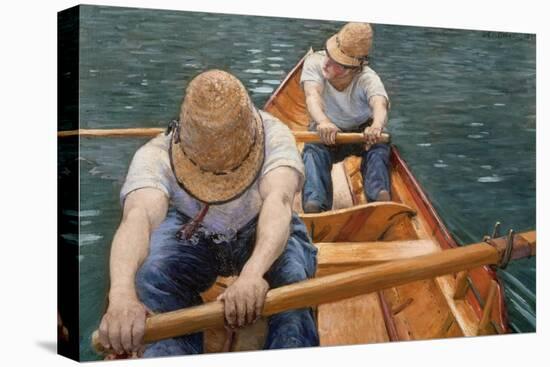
[(292, 329), (315, 150), (189, 344), (312, 207), (378, 151), (296, 264), (149, 278)]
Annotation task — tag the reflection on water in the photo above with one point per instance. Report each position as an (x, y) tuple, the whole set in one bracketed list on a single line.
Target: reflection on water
[(463, 116)]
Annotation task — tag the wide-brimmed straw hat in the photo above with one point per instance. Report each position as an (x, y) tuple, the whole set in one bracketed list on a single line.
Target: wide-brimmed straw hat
[(220, 149), (351, 45)]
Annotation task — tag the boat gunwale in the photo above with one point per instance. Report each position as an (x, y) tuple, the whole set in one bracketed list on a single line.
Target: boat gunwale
[(444, 236)]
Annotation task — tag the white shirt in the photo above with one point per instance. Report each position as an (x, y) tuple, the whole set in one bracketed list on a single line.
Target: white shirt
[(150, 167), (347, 109)]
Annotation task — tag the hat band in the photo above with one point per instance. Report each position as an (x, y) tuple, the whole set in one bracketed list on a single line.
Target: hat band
[(358, 59)]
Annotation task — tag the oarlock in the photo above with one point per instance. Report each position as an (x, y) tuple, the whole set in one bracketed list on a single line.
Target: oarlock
[(510, 247)]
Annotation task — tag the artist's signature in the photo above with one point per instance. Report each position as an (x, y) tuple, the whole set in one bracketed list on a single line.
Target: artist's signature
[(508, 35)]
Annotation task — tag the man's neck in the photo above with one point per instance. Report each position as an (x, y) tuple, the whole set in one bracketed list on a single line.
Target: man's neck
[(342, 82)]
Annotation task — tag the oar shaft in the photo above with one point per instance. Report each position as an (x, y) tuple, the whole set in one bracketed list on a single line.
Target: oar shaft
[(331, 288), (341, 138), (301, 136), (113, 133)]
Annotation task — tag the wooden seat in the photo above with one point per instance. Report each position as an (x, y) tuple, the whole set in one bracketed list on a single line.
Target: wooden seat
[(366, 222)]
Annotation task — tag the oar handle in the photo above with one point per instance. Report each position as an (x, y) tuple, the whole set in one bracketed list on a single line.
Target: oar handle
[(341, 138)]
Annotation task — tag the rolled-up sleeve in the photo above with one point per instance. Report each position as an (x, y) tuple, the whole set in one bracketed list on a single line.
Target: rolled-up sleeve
[(280, 148), (372, 85), (150, 167), (312, 69)]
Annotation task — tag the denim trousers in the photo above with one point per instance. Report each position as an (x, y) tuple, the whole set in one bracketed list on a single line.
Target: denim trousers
[(318, 161), (177, 271)]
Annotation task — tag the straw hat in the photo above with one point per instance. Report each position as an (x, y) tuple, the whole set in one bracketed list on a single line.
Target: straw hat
[(220, 149), (351, 44)]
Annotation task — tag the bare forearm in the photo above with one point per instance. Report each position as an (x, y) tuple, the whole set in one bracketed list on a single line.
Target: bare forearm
[(315, 108), (122, 327), (379, 113), (380, 119), (244, 299), (272, 235), (129, 250)]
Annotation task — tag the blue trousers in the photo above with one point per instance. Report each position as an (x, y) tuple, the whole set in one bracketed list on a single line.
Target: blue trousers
[(318, 161), (177, 271)]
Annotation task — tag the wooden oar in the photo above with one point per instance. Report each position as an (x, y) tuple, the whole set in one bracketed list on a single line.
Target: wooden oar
[(146, 132), (301, 136), (339, 286), (341, 138)]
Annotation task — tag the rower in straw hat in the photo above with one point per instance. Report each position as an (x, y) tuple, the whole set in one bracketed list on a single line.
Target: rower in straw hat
[(211, 197), (343, 94)]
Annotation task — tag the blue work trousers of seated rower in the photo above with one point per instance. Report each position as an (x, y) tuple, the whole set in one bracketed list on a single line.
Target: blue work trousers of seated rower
[(176, 271), (318, 161)]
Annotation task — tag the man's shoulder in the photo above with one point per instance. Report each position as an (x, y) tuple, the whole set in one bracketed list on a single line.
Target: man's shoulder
[(368, 73), (313, 62), (271, 122), (161, 141), (277, 132), (316, 55), (280, 145), (156, 148)]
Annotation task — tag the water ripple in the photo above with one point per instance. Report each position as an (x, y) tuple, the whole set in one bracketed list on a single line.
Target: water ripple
[(282, 45), (254, 71), (274, 82), (262, 90), (89, 238), (90, 213), (526, 292), (490, 179)]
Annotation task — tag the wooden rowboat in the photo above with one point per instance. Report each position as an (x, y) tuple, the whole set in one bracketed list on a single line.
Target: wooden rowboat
[(352, 238), (357, 233)]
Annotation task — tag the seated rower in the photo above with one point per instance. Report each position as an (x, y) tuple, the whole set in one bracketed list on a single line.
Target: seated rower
[(344, 95)]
